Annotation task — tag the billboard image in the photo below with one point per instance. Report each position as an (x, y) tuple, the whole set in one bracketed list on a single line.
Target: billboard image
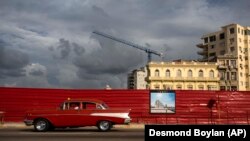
[(162, 102)]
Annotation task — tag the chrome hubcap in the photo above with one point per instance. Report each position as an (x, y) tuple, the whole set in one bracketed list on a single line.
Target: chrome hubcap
[(104, 125), (41, 125)]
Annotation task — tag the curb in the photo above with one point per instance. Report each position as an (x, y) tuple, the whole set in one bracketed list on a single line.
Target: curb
[(22, 125), (13, 125)]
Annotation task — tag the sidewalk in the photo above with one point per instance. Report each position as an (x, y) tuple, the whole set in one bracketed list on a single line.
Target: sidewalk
[(22, 125)]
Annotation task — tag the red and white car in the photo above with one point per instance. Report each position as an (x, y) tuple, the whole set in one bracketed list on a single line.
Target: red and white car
[(78, 113)]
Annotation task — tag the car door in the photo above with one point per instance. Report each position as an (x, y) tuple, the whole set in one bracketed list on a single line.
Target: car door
[(86, 118), (69, 116)]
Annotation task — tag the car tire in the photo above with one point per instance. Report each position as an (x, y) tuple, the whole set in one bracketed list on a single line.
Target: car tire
[(41, 125), (104, 126)]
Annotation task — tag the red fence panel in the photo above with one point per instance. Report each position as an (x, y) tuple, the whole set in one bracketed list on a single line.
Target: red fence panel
[(192, 107)]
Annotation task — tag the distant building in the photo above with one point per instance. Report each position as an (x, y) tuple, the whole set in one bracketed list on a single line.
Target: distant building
[(158, 104), (108, 87), (136, 79), (225, 65), (183, 75), (230, 47)]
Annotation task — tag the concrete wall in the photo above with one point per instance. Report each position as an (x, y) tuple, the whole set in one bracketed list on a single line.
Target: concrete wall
[(191, 106)]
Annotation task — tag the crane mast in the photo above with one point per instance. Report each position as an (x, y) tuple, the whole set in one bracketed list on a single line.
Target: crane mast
[(148, 51)]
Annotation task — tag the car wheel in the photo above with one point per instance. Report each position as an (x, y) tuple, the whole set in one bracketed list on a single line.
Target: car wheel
[(41, 125), (104, 125)]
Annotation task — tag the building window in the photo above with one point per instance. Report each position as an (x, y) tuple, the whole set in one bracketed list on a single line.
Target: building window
[(234, 88), (246, 50), (178, 87), (233, 63), (231, 40), (222, 52), (212, 54), (212, 46), (232, 49), (167, 73), (190, 87), (231, 30), (222, 36), (190, 73), (222, 75), (211, 74), (157, 87), (201, 87), (200, 73), (238, 30), (240, 40), (222, 88), (233, 76), (228, 76), (222, 44), (247, 32), (157, 73), (206, 40), (178, 73), (212, 38)]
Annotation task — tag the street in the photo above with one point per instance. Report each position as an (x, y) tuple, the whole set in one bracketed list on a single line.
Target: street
[(77, 134)]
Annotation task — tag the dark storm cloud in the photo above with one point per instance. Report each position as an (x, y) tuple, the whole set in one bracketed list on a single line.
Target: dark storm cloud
[(40, 29), (12, 62), (65, 47), (79, 50), (112, 58), (37, 73)]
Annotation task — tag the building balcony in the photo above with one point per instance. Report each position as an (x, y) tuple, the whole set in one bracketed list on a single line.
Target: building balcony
[(228, 82), (202, 52), (187, 79), (205, 59), (201, 45), (222, 67)]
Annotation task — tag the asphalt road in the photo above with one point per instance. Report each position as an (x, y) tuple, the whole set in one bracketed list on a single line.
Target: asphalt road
[(78, 134)]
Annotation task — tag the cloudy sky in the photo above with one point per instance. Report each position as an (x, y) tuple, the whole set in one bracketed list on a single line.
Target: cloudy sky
[(49, 43)]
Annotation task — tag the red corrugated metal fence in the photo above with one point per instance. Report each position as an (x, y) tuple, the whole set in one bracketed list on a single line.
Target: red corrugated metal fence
[(192, 107)]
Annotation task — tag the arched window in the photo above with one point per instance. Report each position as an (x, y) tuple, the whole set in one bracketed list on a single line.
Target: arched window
[(157, 87), (200, 73), (157, 73), (167, 73), (178, 87), (201, 87), (178, 73), (211, 74), (190, 73), (190, 87)]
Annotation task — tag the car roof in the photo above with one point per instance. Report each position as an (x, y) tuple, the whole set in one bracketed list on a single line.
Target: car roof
[(83, 100)]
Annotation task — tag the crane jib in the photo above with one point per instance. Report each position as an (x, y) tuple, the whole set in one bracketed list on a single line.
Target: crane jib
[(149, 51)]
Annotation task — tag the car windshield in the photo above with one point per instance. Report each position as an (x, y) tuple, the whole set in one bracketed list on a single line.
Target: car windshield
[(105, 106)]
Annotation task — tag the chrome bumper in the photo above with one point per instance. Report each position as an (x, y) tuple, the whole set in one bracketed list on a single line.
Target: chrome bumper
[(127, 120), (28, 122)]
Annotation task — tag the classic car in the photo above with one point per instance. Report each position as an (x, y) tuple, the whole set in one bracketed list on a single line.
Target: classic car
[(77, 113)]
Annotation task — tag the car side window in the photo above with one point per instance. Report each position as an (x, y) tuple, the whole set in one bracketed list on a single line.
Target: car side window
[(89, 106), (98, 106), (75, 105)]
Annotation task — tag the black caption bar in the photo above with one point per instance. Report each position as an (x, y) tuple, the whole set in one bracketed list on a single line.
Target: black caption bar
[(197, 132)]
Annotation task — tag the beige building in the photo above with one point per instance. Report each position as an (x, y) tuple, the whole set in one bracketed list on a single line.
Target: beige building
[(136, 79), (183, 75), (230, 47)]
